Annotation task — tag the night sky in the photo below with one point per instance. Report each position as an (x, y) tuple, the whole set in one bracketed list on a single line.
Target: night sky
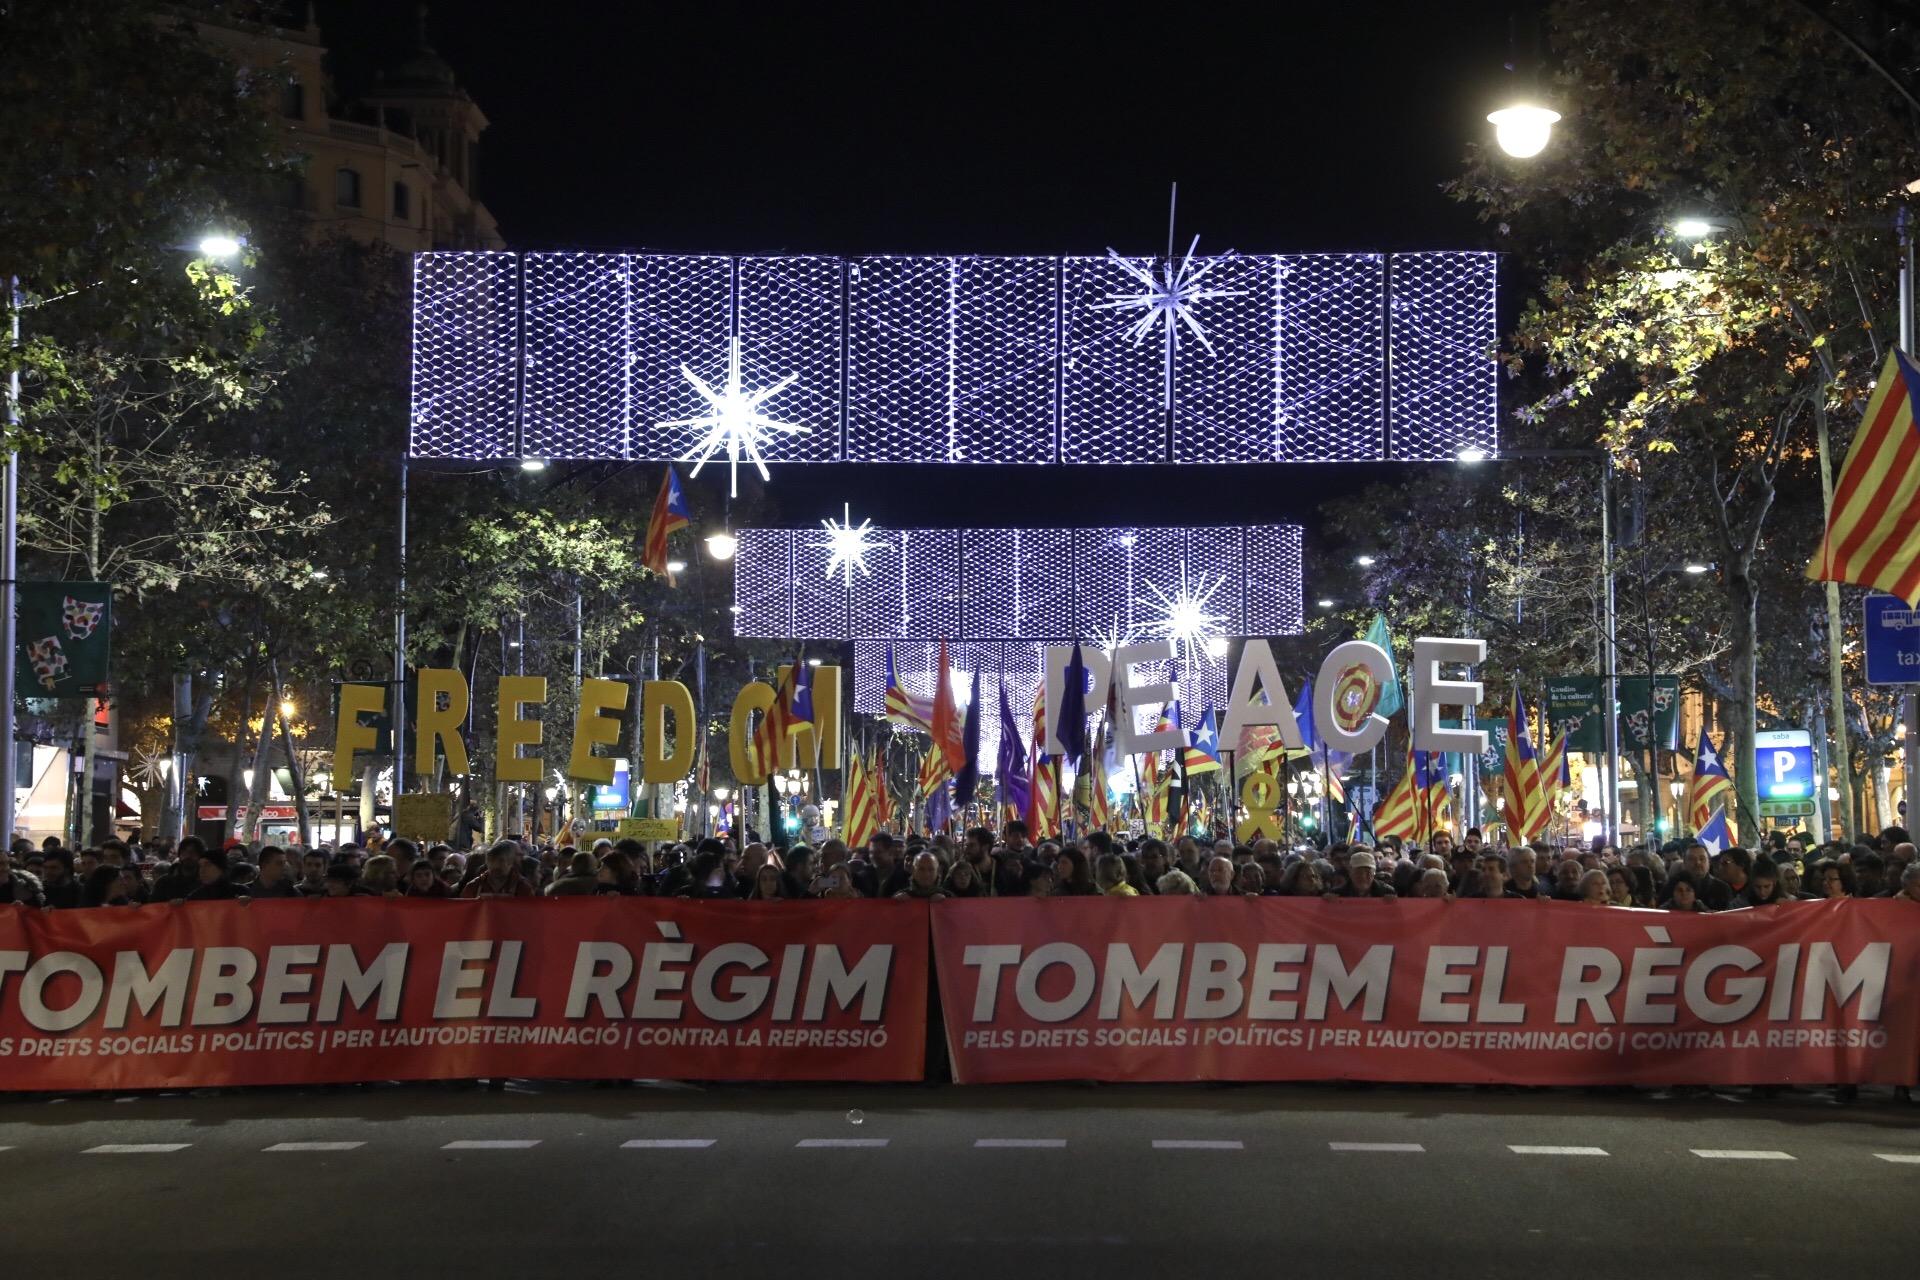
[(921, 128)]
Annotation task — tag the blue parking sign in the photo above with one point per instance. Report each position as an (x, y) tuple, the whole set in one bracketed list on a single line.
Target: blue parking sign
[(1892, 635)]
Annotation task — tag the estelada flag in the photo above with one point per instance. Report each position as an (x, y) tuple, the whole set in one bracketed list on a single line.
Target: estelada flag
[(903, 707), (1873, 526), (669, 514)]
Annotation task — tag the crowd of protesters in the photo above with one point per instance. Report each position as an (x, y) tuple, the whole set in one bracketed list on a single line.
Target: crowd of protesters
[(979, 863)]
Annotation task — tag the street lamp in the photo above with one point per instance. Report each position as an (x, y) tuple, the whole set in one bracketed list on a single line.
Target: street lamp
[(1365, 562), (219, 244), (722, 545), (1523, 130), (1697, 569), (676, 566), (533, 464)]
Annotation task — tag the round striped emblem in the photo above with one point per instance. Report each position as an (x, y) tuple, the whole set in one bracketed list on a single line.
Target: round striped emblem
[(1355, 694)]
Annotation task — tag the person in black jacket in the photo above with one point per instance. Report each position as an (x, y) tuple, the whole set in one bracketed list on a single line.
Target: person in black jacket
[(57, 883), (17, 886), (184, 876), (214, 884)]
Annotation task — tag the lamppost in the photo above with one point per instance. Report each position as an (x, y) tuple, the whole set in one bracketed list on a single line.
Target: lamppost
[(1609, 654)]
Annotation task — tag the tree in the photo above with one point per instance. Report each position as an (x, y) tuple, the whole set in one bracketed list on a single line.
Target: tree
[(1705, 368)]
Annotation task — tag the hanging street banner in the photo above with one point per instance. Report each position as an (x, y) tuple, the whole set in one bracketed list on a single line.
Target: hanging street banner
[(1573, 708), (293, 992), (1637, 713), (1467, 992), (65, 632)]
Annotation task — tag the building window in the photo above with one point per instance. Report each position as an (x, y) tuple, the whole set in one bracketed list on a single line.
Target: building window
[(402, 202), (296, 192), (346, 188), (293, 100)]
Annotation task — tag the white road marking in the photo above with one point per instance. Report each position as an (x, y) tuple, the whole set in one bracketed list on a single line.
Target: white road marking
[(1891, 1157), (1020, 1143), (1198, 1144), (667, 1144), (1740, 1155), (314, 1146), (817, 1143), (1376, 1146), (492, 1144), (1558, 1151), (135, 1148)]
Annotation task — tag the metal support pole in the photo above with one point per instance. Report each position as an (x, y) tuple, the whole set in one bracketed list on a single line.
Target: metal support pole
[(1610, 663), (1910, 703), (10, 500), (400, 650)]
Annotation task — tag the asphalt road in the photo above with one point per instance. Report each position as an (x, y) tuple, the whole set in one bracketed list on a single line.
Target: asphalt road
[(912, 1181)]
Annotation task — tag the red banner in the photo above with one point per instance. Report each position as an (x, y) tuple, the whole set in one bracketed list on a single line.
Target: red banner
[(291, 992), (1428, 991)]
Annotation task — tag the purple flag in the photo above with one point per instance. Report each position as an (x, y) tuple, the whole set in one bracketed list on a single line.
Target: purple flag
[(1016, 783)]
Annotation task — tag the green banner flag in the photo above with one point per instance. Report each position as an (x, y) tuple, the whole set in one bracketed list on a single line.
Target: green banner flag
[(1390, 699), (1573, 708), (65, 632), (1636, 713)]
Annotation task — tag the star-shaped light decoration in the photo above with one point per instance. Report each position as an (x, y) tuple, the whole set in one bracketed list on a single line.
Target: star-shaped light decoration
[(1167, 299), (733, 419), (1184, 614), (847, 545)]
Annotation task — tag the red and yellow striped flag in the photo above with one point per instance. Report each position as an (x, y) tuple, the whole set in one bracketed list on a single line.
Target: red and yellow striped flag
[(862, 813), (1873, 527), (1401, 813), (1043, 800)]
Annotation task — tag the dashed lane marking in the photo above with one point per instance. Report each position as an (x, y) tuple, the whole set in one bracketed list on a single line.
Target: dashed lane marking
[(1411, 1147), (1891, 1157), (314, 1146), (1711, 1154), (1198, 1144), (1558, 1151), (1022, 1144), (492, 1144), (667, 1144), (815, 1144), (136, 1148)]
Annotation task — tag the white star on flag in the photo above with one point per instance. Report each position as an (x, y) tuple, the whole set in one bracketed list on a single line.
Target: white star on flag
[(1204, 737)]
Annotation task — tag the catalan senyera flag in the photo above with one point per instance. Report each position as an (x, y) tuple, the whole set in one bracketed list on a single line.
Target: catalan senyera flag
[(1873, 525), (1439, 815), (1709, 785), (904, 707), (949, 733), (1400, 814), (669, 514), (1099, 797), (1043, 798), (1520, 774), (1556, 775), (862, 813), (768, 745)]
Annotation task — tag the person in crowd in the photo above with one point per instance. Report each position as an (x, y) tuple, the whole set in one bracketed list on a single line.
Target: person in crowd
[(343, 881), (1110, 876), (1593, 889), (1174, 884), (1432, 883), (1733, 868), (1250, 880), (1040, 878), (707, 876), (1521, 875), (115, 852), (313, 874), (215, 884), (184, 876), (1833, 878), (1155, 861), (618, 875), (1491, 881), (58, 885), (1566, 880), (1681, 894), (1645, 892), (1762, 887), (839, 882), (1910, 882), (965, 880), (580, 879), (1710, 889), (1301, 880), (423, 882), (1869, 873), (1620, 886), (1362, 882), (769, 883), (106, 887), (923, 878), (502, 876), (274, 878), (887, 872), (1220, 877), (380, 876), (467, 827), (1073, 877), (453, 872), (796, 867)]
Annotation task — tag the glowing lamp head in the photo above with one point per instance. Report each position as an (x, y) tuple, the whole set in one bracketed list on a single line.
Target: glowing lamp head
[(1473, 453), (219, 245), (1523, 130), (722, 545), (1692, 228), (533, 464)]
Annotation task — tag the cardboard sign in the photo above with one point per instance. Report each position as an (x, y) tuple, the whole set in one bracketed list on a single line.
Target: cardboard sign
[(649, 829), (425, 816)]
